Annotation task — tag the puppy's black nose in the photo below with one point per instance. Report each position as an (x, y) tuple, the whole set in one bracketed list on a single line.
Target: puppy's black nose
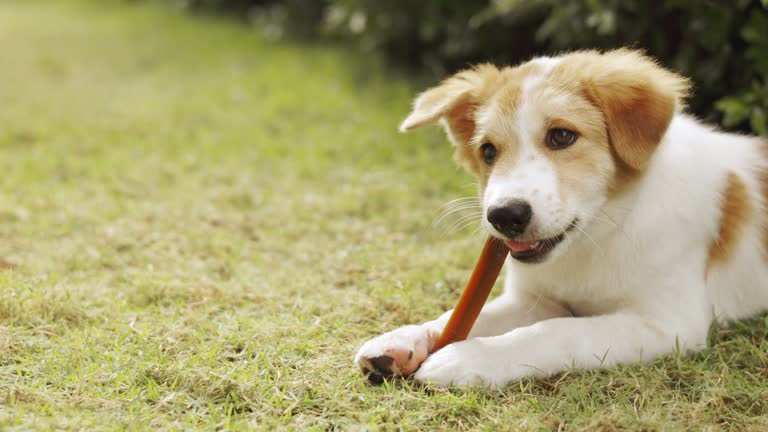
[(511, 219)]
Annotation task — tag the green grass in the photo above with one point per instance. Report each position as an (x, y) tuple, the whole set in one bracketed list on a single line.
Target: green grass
[(198, 228)]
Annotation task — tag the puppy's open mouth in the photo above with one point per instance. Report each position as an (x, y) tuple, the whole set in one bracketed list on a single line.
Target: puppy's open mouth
[(537, 250)]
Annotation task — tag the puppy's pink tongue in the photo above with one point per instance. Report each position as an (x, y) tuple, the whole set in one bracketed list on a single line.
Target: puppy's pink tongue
[(519, 246)]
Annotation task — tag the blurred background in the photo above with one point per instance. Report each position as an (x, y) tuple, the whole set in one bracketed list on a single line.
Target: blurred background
[(206, 207), (720, 44)]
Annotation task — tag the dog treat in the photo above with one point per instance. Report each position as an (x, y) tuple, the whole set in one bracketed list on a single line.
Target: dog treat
[(475, 294)]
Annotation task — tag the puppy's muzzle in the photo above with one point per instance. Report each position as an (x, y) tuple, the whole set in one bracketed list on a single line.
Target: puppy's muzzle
[(510, 219)]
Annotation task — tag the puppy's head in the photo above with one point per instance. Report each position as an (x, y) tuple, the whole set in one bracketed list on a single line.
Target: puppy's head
[(553, 139)]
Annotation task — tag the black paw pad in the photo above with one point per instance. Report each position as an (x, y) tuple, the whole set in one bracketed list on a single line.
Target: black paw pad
[(382, 368)]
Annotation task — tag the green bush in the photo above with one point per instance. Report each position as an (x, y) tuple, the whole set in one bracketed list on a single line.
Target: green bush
[(722, 45)]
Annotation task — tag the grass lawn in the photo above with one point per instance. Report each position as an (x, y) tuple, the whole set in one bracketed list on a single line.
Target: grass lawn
[(198, 228)]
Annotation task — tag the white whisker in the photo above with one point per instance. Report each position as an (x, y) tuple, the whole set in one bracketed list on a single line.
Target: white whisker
[(467, 224), (457, 207), (451, 227), (590, 238), (470, 198), (457, 202), (456, 210), (463, 222), (612, 222), (479, 230)]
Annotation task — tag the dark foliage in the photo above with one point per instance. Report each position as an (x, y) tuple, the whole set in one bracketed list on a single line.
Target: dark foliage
[(722, 45)]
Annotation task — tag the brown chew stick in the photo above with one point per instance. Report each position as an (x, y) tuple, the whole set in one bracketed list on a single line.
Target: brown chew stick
[(475, 294)]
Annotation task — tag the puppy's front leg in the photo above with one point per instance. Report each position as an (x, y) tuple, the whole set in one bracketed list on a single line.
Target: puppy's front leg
[(401, 351), (554, 345)]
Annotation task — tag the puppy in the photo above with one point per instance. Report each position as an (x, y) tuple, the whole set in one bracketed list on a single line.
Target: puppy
[(631, 225)]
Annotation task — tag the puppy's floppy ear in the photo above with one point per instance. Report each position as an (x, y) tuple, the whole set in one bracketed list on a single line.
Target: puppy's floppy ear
[(638, 99), (454, 100)]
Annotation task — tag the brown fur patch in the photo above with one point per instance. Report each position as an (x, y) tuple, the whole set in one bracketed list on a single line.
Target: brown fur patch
[(460, 126), (455, 100), (636, 97), (466, 88), (762, 177), (620, 102), (588, 161), (735, 211), (462, 121), (503, 102)]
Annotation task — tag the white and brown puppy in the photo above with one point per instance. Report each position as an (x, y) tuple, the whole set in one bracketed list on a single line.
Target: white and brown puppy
[(631, 225)]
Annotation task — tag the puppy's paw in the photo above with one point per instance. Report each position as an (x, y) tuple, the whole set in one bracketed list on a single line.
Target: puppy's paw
[(397, 353), (460, 364)]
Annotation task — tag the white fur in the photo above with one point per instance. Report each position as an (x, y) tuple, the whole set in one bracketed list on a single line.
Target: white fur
[(629, 289), (533, 179)]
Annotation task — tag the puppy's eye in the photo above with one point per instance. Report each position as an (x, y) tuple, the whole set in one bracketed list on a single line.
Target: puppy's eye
[(489, 153), (558, 138)]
